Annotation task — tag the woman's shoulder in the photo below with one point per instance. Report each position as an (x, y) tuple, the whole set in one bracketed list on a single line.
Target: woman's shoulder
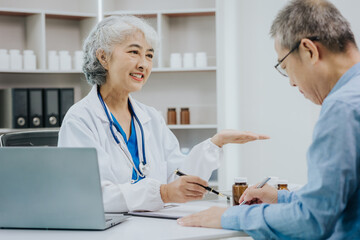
[(149, 110)]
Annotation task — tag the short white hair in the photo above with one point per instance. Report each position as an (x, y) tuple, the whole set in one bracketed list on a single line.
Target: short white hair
[(105, 35)]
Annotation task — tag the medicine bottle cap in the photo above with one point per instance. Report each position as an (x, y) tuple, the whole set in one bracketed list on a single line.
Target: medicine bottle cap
[(240, 180), (184, 109), (282, 181), (171, 109)]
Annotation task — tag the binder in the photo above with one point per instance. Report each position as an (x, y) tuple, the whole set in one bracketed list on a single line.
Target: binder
[(35, 108), (66, 101), (20, 108), (51, 107)]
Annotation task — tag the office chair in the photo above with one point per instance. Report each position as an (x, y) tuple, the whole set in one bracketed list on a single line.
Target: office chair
[(36, 138)]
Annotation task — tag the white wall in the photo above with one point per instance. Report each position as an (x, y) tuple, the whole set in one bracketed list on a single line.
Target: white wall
[(254, 96)]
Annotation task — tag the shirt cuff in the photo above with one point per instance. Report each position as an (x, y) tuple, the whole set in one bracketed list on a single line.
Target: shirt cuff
[(283, 196)]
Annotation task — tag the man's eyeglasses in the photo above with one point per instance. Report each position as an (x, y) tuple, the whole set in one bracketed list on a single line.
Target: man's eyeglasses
[(278, 67)]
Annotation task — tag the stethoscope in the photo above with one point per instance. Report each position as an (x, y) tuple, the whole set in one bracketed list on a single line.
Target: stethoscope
[(143, 167)]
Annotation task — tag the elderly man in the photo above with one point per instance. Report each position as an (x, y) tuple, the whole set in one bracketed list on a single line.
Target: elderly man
[(317, 51)]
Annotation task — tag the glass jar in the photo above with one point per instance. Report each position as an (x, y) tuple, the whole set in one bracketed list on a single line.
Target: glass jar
[(185, 116), (171, 116), (282, 184), (238, 189)]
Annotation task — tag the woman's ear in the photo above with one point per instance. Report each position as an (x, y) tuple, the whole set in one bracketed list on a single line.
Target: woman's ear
[(102, 57)]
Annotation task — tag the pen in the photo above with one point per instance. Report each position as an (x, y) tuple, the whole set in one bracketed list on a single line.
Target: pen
[(263, 182), (179, 173)]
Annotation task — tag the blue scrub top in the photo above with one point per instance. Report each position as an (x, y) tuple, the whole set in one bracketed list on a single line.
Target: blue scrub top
[(131, 144)]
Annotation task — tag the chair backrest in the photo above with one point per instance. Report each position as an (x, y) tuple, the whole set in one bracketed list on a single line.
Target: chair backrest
[(30, 138)]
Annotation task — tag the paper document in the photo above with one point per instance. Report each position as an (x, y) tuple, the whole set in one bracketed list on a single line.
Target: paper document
[(171, 211)]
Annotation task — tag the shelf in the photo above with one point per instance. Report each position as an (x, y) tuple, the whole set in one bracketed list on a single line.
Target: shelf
[(50, 14), (193, 126), (170, 13), (156, 70), (42, 71), (184, 69)]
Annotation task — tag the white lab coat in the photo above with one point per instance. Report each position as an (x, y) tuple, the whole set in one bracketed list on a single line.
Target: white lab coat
[(86, 125)]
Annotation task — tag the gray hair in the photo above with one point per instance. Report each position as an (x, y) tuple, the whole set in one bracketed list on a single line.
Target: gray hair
[(312, 18), (105, 35)]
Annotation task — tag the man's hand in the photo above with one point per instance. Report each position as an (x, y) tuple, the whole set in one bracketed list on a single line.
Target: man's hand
[(253, 195), (183, 189), (234, 136), (210, 218)]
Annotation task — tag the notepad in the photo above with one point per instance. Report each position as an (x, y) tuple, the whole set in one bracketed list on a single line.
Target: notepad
[(171, 211)]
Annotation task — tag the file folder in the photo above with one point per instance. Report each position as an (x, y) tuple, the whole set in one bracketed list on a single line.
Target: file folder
[(66, 101), (7, 115), (35, 108), (51, 107)]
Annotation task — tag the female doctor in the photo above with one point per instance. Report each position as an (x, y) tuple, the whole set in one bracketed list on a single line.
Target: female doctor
[(137, 152)]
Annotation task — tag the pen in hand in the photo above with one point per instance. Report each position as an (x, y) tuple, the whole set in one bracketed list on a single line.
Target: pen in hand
[(179, 173), (260, 185)]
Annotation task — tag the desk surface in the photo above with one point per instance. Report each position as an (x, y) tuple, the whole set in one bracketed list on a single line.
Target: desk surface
[(132, 228)]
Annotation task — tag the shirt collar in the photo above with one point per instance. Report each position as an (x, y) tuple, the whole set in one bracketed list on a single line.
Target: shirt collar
[(354, 70)]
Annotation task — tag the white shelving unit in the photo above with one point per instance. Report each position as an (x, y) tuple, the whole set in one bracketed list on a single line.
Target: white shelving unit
[(188, 26)]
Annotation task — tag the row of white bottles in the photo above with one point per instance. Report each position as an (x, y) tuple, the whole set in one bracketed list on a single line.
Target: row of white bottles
[(63, 61), (15, 61)]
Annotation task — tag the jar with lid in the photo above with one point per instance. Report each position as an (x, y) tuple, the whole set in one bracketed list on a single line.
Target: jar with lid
[(238, 189), (171, 116), (4, 59), (185, 116), (282, 184)]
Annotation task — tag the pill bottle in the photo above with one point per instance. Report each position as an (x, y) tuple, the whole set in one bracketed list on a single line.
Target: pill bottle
[(4, 59), (171, 116), (185, 116), (282, 184), (239, 187)]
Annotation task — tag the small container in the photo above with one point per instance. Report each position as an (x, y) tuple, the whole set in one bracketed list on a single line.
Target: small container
[(65, 60), (53, 61), (238, 189), (4, 59), (16, 59), (188, 60), (185, 116), (78, 60), (282, 184), (201, 59), (175, 60), (171, 116), (29, 60)]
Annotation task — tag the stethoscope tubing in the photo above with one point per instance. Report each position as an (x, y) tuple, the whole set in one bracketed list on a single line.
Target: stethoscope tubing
[(139, 172)]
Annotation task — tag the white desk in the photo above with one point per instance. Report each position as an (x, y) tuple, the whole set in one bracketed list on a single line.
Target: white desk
[(133, 228)]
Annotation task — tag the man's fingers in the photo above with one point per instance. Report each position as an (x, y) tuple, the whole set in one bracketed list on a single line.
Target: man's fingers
[(190, 221)]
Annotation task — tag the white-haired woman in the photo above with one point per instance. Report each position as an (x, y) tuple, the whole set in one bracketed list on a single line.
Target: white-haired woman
[(137, 152)]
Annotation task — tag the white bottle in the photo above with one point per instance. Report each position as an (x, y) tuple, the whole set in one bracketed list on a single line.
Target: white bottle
[(188, 60), (53, 61), (29, 60), (65, 60), (78, 60), (15, 59), (201, 59), (4, 60)]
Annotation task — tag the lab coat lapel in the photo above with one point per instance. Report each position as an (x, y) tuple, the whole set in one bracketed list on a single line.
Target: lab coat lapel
[(144, 119)]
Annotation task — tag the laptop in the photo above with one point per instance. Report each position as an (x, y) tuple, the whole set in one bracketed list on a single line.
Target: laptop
[(52, 188)]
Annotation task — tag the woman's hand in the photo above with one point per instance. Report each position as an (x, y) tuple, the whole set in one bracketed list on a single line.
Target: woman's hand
[(210, 218), (253, 195), (234, 136), (183, 189)]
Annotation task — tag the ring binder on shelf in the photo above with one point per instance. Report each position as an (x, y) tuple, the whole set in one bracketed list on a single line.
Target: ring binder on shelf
[(51, 108), (35, 108)]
